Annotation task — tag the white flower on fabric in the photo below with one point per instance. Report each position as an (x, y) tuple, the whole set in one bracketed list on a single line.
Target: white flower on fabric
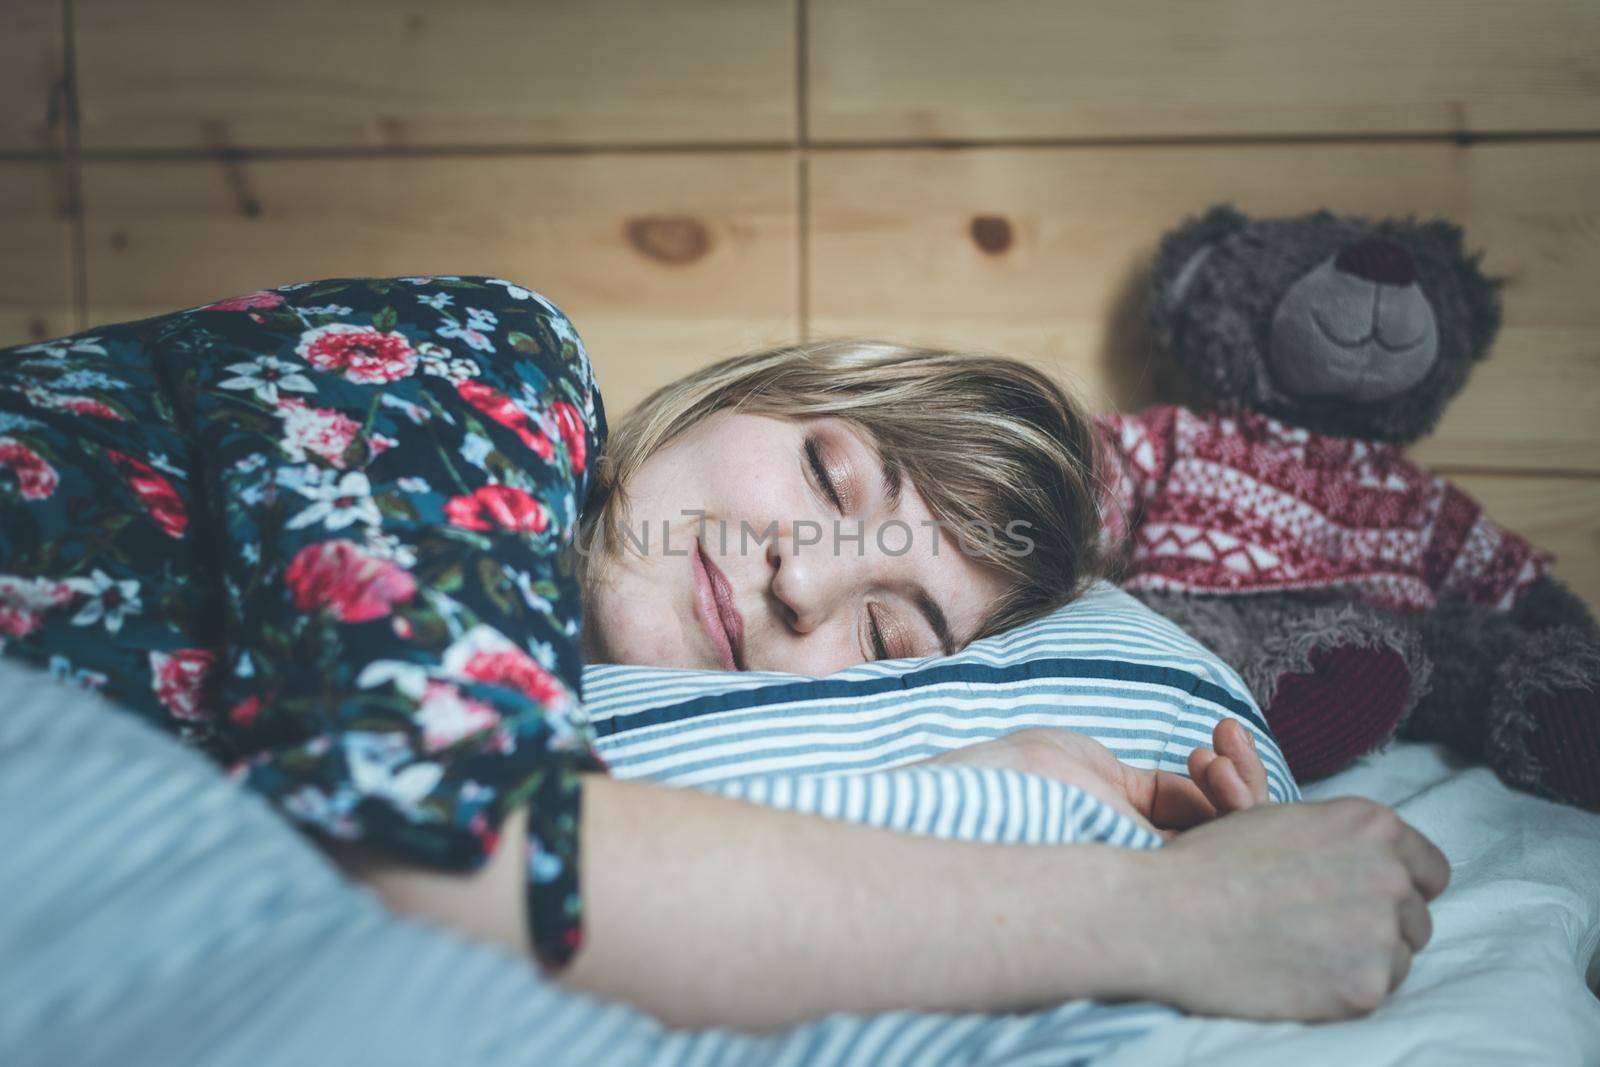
[(513, 290), (56, 349), (161, 463), (415, 412), (332, 814), (328, 309), (470, 334), (409, 679), (338, 501), (475, 448), (388, 546), (524, 583), (544, 866), (437, 301), (87, 379), (381, 766), (481, 319), (62, 670), (413, 484), (266, 377), (440, 362), (109, 600)]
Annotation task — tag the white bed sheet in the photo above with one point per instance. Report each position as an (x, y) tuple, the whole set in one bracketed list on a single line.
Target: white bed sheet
[(1511, 973)]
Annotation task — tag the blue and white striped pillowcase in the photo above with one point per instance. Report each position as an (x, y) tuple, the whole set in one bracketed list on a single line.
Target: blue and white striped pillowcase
[(1104, 665)]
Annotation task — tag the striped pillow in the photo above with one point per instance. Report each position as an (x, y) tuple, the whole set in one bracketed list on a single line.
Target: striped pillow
[(1104, 665)]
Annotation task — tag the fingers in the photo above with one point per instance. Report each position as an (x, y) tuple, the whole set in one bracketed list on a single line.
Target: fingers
[(1401, 966), (1219, 780), (1176, 802), (1233, 740), (1226, 786), (1416, 925), (1430, 870)]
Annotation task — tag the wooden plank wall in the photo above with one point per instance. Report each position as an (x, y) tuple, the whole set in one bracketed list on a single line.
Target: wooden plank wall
[(690, 178)]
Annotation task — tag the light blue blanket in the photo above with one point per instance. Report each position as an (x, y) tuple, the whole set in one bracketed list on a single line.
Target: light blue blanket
[(155, 914)]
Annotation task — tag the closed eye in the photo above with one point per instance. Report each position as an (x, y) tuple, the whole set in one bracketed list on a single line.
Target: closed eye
[(819, 469), (880, 650)]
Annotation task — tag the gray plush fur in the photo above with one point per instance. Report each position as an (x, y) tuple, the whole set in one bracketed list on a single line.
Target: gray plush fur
[(1219, 281), (1218, 326), (1267, 636)]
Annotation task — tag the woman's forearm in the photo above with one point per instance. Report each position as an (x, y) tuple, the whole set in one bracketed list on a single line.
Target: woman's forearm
[(709, 911), (706, 911)]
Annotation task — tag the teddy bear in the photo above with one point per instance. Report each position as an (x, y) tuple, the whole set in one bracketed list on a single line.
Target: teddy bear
[(1359, 596)]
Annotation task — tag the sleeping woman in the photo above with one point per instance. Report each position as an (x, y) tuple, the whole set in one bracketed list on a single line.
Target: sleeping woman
[(356, 538)]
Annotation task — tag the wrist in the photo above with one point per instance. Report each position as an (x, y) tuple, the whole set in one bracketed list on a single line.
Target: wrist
[(1144, 907)]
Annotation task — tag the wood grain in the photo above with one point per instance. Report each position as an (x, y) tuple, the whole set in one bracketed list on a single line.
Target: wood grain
[(31, 62), (36, 298), (942, 69), (1561, 515), (904, 244), (662, 261), (199, 74)]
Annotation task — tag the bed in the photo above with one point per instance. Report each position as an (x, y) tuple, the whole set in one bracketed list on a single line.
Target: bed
[(156, 914)]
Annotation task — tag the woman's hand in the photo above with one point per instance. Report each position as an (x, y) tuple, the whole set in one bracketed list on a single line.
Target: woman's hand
[(1225, 778), (1290, 911)]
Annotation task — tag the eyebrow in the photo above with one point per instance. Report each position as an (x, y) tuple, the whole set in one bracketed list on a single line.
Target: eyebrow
[(893, 481)]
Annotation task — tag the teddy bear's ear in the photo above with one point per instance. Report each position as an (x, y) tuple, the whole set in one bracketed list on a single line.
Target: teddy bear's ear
[(1184, 251)]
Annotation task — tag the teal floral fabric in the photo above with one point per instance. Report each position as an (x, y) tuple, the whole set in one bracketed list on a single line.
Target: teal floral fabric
[(322, 532)]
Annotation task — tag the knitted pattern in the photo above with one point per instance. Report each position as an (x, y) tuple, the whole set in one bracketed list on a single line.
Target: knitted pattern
[(1234, 502)]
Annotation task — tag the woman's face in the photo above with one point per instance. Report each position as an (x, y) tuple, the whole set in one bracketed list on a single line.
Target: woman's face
[(779, 545)]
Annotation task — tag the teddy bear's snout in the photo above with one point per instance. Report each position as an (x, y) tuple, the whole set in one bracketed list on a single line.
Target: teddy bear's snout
[(1358, 326), (1378, 260)]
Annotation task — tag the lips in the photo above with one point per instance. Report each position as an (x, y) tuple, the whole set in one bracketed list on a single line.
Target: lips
[(713, 597)]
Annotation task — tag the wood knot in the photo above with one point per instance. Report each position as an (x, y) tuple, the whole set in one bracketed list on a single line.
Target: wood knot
[(118, 240), (669, 238), (991, 233)]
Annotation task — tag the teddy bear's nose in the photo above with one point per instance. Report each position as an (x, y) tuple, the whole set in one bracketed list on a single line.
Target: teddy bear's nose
[(1378, 260)]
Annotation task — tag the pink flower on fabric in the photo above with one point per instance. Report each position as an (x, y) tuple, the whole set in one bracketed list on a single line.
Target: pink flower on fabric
[(24, 602), (178, 678), (338, 577), (154, 491), (498, 505), (502, 409), (244, 713), (261, 298), (320, 431), (447, 716), (378, 444), (570, 425), (35, 478), (484, 654), (362, 354), (84, 405)]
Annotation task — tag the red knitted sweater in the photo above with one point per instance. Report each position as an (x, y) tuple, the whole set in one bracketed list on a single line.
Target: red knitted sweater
[(1236, 502)]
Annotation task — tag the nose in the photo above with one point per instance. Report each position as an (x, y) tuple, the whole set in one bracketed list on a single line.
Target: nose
[(1378, 260), (806, 580)]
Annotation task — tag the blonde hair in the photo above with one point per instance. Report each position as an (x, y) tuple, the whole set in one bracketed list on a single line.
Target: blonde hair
[(988, 442)]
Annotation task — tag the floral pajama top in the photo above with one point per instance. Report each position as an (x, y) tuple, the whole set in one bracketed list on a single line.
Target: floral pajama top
[(318, 531)]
